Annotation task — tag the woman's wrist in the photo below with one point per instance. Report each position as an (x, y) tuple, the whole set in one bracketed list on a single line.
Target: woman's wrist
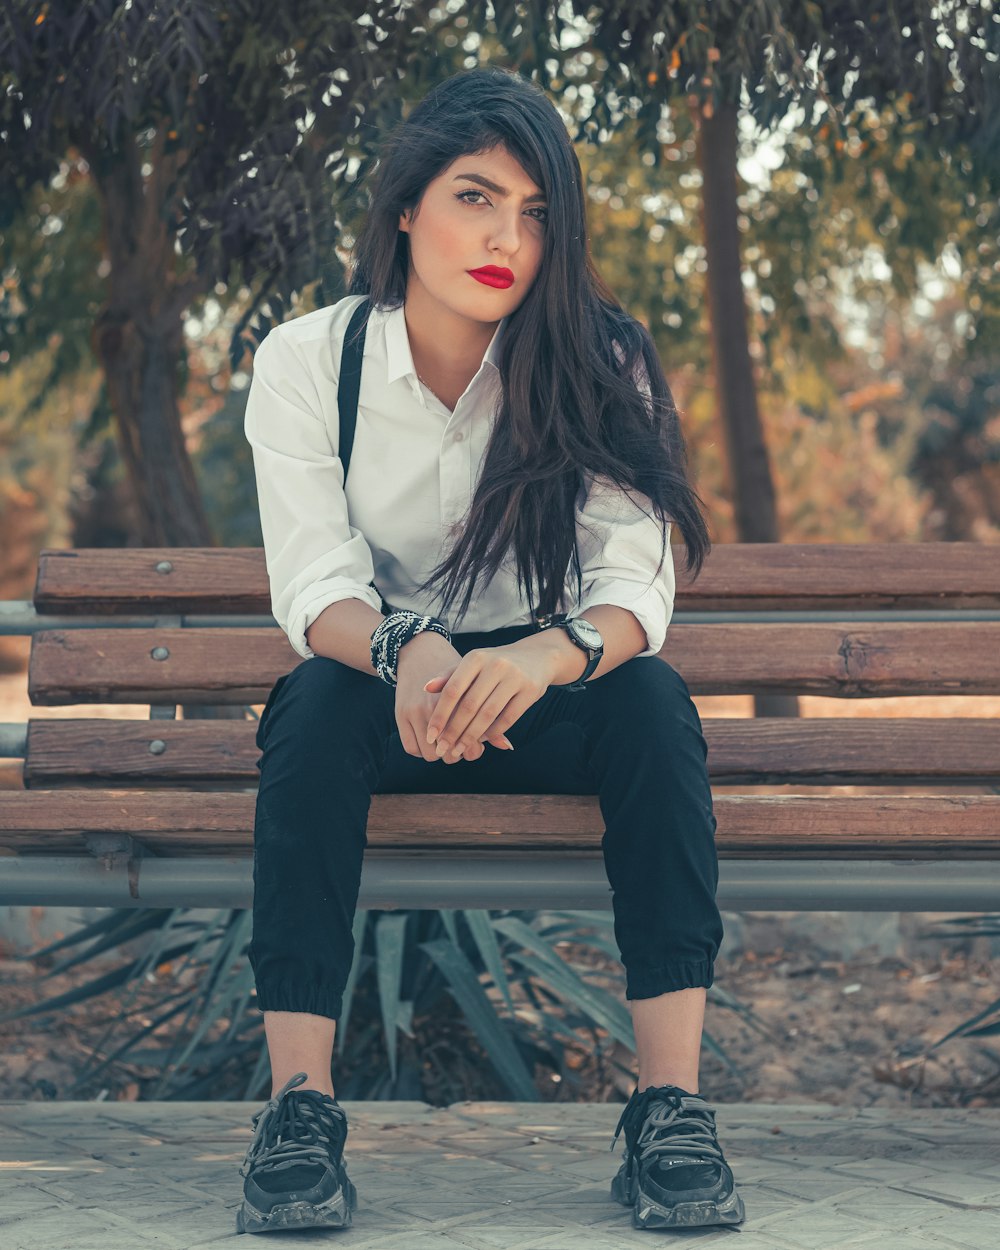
[(389, 639), (427, 642), (563, 660)]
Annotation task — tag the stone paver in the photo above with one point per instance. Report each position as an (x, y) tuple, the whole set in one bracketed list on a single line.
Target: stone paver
[(497, 1176)]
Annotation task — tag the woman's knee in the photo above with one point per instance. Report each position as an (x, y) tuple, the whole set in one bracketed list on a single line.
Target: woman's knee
[(645, 677), (320, 693), (648, 695)]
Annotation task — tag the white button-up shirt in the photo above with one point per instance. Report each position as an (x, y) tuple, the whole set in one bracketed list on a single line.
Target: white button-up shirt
[(413, 472)]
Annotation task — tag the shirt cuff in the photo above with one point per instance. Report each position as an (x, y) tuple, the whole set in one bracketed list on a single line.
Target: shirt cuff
[(647, 606), (303, 614)]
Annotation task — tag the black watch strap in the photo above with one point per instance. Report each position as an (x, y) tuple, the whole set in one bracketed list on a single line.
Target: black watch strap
[(560, 620), (581, 681)]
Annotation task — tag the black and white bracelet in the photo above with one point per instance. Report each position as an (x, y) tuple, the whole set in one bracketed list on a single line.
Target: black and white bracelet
[(393, 634)]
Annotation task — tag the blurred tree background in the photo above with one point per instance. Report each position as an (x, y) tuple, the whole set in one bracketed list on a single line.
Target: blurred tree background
[(868, 253), (800, 201)]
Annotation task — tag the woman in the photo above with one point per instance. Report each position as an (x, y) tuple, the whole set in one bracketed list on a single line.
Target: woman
[(508, 403)]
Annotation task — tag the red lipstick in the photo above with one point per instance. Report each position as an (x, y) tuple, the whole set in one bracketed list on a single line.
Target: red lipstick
[(492, 275)]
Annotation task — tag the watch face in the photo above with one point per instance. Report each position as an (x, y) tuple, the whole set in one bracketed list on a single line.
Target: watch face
[(588, 633)]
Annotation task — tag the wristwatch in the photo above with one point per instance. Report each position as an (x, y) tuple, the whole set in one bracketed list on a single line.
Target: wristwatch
[(586, 636)]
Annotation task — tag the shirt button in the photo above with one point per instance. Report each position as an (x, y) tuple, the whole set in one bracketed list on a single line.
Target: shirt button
[(459, 436)]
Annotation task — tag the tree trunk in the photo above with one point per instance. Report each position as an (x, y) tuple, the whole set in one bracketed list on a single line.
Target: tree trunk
[(750, 471), (140, 365), (138, 338)]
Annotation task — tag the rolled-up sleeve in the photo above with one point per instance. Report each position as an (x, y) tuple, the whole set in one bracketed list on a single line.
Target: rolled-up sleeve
[(619, 544), (314, 556)]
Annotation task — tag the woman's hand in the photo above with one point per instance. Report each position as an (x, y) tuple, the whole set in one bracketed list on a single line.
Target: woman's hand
[(419, 666), (485, 694)]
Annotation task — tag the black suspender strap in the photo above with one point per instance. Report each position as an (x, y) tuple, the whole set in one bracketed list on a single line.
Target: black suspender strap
[(350, 379), (348, 390)]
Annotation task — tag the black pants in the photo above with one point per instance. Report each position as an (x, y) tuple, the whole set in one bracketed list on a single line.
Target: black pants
[(329, 741)]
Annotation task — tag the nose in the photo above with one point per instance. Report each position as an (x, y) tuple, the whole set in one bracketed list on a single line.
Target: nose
[(506, 237)]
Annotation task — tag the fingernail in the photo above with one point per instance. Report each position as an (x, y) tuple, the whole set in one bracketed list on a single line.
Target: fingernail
[(509, 744)]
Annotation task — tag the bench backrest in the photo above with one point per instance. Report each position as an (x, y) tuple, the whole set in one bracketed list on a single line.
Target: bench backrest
[(153, 648)]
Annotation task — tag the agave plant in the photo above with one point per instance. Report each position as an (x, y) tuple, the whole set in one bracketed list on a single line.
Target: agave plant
[(985, 1023), (524, 1001)]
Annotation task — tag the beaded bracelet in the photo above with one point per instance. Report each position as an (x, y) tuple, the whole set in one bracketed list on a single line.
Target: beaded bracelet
[(393, 634)]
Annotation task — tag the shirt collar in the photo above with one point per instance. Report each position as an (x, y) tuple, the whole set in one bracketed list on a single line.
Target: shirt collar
[(399, 360)]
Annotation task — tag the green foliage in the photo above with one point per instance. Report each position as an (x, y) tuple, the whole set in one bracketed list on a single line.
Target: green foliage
[(254, 125), (231, 125), (985, 1022), (258, 203), (223, 464), (51, 293), (774, 57), (522, 1000)]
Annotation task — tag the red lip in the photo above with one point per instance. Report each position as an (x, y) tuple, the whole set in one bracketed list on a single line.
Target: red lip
[(492, 275)]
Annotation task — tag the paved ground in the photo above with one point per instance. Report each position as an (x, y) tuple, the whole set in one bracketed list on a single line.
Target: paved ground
[(496, 1176)]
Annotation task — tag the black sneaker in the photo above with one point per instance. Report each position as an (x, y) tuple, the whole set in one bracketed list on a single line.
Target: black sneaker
[(297, 1176), (673, 1173)]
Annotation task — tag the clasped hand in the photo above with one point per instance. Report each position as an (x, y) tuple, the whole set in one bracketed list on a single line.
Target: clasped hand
[(478, 698)]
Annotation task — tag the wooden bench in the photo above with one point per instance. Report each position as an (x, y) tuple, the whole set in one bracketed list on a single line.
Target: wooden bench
[(159, 812)]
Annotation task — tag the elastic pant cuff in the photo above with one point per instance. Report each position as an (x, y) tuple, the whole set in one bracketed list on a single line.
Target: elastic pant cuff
[(317, 1000), (651, 982)]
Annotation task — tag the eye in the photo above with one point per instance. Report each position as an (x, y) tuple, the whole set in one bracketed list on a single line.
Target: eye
[(460, 195)]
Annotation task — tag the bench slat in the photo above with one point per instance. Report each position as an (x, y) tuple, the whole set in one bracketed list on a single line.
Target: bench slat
[(782, 826), (124, 581), (763, 751), (240, 665), (735, 575)]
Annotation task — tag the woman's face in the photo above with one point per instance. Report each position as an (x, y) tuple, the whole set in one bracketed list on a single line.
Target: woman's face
[(463, 225)]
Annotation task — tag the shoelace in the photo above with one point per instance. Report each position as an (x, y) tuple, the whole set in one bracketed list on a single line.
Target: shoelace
[(314, 1121), (681, 1126)]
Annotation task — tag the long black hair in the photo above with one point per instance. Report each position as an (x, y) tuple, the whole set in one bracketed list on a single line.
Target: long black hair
[(575, 367)]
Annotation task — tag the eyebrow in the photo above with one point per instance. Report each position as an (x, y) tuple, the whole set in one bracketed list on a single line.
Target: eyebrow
[(494, 186)]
